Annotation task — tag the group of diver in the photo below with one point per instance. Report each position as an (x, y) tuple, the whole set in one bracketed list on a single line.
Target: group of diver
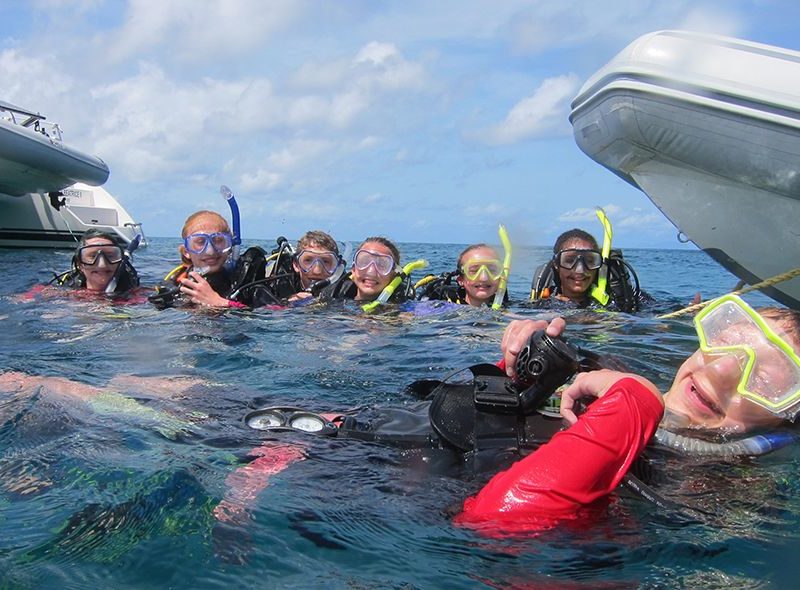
[(213, 273), (737, 394)]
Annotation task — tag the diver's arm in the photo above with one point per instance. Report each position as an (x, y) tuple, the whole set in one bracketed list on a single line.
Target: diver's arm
[(579, 465), (597, 384), (518, 333), (243, 485)]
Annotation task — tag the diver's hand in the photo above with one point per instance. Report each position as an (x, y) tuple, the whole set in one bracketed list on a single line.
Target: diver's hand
[(199, 291), (516, 337), (299, 296), (596, 384)]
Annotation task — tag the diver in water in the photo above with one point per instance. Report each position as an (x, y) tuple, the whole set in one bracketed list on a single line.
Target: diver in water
[(582, 274), (475, 282), (375, 277), (100, 266), (202, 277), (743, 383), (287, 274)]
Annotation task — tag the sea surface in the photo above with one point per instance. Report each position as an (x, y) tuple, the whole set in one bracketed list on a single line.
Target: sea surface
[(109, 478)]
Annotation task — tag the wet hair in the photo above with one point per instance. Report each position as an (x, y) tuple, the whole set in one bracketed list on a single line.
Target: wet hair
[(317, 238), (788, 320), (469, 249), (204, 213), (574, 234), (386, 242)]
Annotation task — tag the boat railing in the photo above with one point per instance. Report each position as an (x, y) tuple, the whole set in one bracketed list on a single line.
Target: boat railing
[(30, 120)]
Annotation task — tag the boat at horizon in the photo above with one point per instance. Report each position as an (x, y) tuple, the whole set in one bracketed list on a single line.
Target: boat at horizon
[(708, 127), (50, 193)]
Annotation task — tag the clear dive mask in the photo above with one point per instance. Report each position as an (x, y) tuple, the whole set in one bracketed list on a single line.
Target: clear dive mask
[(770, 366)]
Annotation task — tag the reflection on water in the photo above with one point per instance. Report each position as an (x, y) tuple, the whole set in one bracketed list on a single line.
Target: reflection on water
[(117, 488)]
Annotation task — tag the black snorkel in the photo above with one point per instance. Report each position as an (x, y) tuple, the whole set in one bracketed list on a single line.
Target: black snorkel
[(125, 266)]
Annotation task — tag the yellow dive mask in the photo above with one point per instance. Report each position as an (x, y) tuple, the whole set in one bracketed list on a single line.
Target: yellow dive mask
[(770, 366)]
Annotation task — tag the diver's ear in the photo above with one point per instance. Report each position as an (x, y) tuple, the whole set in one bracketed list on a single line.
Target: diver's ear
[(295, 266), (184, 255), (460, 279)]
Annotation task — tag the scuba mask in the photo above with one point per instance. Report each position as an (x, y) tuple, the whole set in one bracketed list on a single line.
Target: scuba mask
[(473, 269), (197, 243), (328, 261), (383, 263), (569, 259), (770, 366)]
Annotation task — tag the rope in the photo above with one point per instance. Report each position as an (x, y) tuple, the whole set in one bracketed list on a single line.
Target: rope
[(765, 283)]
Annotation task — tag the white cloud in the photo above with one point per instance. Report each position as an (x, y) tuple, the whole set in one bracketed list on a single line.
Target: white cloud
[(543, 113), (543, 25), (588, 214), (712, 20), (192, 31)]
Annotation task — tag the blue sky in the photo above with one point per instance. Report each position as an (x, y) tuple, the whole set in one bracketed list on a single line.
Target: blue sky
[(425, 121)]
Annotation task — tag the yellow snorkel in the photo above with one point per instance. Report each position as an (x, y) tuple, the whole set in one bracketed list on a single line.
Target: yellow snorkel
[(392, 287), (599, 291), (501, 288)]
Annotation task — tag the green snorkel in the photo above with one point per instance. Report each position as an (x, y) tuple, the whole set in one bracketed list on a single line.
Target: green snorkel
[(392, 287), (501, 288), (599, 291)]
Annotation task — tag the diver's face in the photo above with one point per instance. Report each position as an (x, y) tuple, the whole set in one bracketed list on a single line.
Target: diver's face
[(705, 392), (208, 258), (482, 288), (98, 275), (369, 282), (315, 264), (575, 282)]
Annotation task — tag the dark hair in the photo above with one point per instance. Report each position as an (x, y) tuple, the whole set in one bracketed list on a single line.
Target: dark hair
[(787, 319), (470, 248), (96, 233), (574, 234), (386, 242), (318, 238)]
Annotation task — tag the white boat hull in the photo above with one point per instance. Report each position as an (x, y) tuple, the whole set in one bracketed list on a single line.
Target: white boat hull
[(31, 221), (709, 129)]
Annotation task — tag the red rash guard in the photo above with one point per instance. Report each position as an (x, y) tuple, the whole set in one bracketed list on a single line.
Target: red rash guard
[(578, 466)]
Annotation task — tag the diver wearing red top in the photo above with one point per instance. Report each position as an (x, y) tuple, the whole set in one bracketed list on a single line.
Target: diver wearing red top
[(597, 452)]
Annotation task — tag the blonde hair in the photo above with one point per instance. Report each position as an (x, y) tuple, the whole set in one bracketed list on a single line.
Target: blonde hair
[(223, 223)]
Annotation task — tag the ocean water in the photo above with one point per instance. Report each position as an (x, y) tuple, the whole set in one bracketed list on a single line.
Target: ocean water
[(116, 489)]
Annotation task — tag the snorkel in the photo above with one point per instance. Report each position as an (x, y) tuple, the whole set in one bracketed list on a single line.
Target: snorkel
[(132, 245), (599, 291), (235, 219), (759, 444), (501, 289), (389, 290)]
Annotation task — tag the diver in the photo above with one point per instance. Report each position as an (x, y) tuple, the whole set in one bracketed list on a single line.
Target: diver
[(479, 280), (203, 277), (99, 266), (375, 277), (582, 274), (287, 274), (737, 395)]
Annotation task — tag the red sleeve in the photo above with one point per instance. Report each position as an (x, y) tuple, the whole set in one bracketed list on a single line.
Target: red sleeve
[(579, 465)]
